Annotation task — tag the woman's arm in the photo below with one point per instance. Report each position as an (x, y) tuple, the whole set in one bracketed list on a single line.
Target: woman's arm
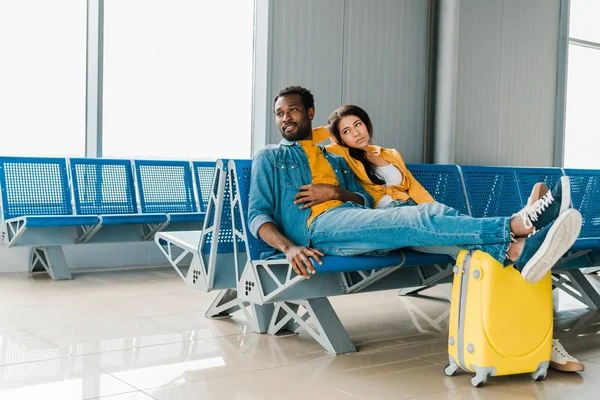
[(320, 134)]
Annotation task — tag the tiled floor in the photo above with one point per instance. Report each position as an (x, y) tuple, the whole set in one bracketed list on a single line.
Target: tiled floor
[(142, 334)]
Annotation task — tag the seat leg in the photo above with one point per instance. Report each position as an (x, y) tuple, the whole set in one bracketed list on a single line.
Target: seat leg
[(427, 283), (575, 283), (328, 330), (259, 316), (52, 259), (227, 302)]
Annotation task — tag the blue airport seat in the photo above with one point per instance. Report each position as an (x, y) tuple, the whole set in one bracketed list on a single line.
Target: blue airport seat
[(443, 183), (204, 172), (167, 187), (117, 219), (360, 263), (62, 220), (244, 172), (491, 191), (181, 246), (175, 218), (585, 195), (36, 193), (528, 177), (105, 187)]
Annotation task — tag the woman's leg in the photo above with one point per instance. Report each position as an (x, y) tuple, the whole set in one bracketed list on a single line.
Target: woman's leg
[(352, 230), (443, 209)]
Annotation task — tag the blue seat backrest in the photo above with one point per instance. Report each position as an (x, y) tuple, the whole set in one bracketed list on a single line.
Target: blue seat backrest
[(442, 182), (103, 186), (165, 186), (204, 172), (34, 186), (585, 195), (491, 191), (527, 177), (243, 170)]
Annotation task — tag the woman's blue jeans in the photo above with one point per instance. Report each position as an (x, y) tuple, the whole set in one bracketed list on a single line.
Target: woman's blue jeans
[(352, 229)]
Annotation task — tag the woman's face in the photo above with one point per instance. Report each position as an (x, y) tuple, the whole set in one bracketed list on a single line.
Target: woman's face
[(354, 132)]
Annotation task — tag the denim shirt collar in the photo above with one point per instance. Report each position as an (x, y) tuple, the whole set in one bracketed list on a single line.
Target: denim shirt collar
[(286, 142), (289, 143)]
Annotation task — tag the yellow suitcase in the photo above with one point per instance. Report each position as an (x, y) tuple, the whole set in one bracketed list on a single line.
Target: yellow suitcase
[(499, 323)]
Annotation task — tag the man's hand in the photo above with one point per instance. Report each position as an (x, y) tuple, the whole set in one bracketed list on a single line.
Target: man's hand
[(298, 257), (311, 195)]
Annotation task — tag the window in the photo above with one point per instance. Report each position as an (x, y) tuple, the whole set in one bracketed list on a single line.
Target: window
[(584, 20), (42, 77), (177, 79), (582, 131)]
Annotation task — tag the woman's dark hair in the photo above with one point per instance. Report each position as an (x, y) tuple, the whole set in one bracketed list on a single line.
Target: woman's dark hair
[(358, 154)]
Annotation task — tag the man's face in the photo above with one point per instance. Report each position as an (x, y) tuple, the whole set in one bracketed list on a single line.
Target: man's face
[(292, 119)]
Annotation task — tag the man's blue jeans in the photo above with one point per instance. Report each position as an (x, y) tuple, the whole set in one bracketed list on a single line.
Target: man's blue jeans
[(352, 229)]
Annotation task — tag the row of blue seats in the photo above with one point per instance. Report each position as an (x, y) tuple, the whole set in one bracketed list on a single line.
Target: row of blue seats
[(50, 202), (478, 191), (88, 192), (474, 190)]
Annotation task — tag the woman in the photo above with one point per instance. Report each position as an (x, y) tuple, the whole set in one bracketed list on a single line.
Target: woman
[(381, 171), (384, 175)]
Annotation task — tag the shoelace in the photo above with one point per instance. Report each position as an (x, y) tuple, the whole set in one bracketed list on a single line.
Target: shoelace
[(512, 240), (561, 350), (531, 213)]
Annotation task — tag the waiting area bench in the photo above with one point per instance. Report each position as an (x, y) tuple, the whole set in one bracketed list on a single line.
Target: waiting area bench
[(48, 203)]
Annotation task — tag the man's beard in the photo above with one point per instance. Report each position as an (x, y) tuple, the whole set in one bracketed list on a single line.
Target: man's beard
[(303, 132)]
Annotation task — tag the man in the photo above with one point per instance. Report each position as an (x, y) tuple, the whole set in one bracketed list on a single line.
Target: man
[(306, 203)]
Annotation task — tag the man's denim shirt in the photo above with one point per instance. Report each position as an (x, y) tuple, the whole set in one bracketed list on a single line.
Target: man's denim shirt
[(278, 171)]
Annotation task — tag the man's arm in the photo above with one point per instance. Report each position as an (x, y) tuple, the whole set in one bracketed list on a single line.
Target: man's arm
[(297, 256), (261, 201), (311, 195), (260, 216)]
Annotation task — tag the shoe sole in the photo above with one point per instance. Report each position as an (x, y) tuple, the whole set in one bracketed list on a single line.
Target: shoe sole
[(559, 240), (565, 201), (568, 367)]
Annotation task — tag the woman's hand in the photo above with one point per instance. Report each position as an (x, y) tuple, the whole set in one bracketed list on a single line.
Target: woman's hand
[(311, 195), (298, 257)]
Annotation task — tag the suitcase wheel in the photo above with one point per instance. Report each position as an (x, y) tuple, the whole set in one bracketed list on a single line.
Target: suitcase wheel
[(450, 370), (541, 372), (478, 380)]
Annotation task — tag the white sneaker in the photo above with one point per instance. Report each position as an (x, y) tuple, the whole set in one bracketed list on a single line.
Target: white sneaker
[(563, 361), (538, 191)]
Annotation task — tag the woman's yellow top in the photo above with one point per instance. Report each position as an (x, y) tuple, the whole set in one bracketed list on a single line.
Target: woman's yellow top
[(409, 188)]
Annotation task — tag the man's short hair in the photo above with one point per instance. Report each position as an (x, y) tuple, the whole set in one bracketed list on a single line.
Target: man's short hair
[(308, 101)]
